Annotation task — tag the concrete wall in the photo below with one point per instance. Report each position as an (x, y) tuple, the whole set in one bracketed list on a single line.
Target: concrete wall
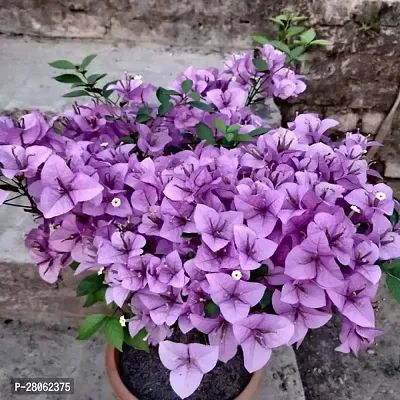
[(355, 81)]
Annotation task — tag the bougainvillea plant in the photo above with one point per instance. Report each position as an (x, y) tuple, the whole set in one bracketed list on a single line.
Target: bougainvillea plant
[(197, 221)]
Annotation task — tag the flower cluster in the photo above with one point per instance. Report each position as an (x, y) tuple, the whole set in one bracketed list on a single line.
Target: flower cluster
[(251, 244)]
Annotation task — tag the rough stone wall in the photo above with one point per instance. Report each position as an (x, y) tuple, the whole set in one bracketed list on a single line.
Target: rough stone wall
[(356, 80)]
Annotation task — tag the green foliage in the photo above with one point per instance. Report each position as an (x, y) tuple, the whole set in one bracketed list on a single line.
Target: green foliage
[(266, 299), (187, 85), (76, 93), (74, 265), (201, 106), (139, 341), (211, 309), (95, 297), (90, 284), (114, 332), (294, 38), (204, 132), (62, 64), (90, 326), (86, 61)]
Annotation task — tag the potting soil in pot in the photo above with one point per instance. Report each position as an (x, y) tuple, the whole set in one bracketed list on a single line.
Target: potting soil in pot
[(145, 376)]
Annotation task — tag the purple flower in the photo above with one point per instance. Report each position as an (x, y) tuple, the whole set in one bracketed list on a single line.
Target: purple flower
[(252, 251), (372, 198), (216, 229), (228, 101), (187, 363), (234, 297), (226, 259), (353, 300), (307, 293), (355, 338), (152, 141), (313, 259), (16, 160), (261, 210), (338, 230), (220, 333), (303, 318), (366, 254), (384, 237), (311, 127), (62, 189), (166, 272), (123, 247), (258, 334)]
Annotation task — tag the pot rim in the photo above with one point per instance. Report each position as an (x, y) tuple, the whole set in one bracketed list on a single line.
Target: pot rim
[(122, 392)]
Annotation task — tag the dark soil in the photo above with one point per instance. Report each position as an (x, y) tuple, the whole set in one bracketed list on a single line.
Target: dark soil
[(145, 376)]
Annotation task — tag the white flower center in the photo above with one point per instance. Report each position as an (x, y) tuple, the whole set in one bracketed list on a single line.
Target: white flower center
[(100, 271), (236, 275), (122, 320), (380, 196), (138, 77), (104, 144), (115, 202), (355, 209), (234, 79)]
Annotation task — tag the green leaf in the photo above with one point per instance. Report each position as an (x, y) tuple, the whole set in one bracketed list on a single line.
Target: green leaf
[(164, 108), (114, 332), (238, 137), (76, 93), (229, 136), (280, 46), (204, 132), (260, 64), (259, 273), (93, 298), (86, 61), (296, 52), (220, 125), (187, 85), (390, 266), (92, 79), (141, 118), (127, 140), (233, 128), (195, 96), (259, 131), (74, 85), (299, 19), (74, 265), (211, 309), (260, 39), (162, 95), (393, 282), (266, 299), (68, 78), (138, 341), (308, 36), (321, 42), (294, 30), (90, 284), (278, 21), (394, 218), (201, 106), (62, 64), (90, 300), (90, 325)]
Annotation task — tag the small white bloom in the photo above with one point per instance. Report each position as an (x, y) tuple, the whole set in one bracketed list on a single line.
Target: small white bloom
[(355, 209), (122, 320), (237, 275), (100, 271), (138, 77), (365, 151), (115, 202), (380, 196), (104, 144), (233, 79)]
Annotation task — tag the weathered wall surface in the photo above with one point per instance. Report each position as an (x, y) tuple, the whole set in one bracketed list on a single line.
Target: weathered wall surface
[(355, 81)]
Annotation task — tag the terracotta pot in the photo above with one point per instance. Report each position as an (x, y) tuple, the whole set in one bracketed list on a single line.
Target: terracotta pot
[(122, 393)]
